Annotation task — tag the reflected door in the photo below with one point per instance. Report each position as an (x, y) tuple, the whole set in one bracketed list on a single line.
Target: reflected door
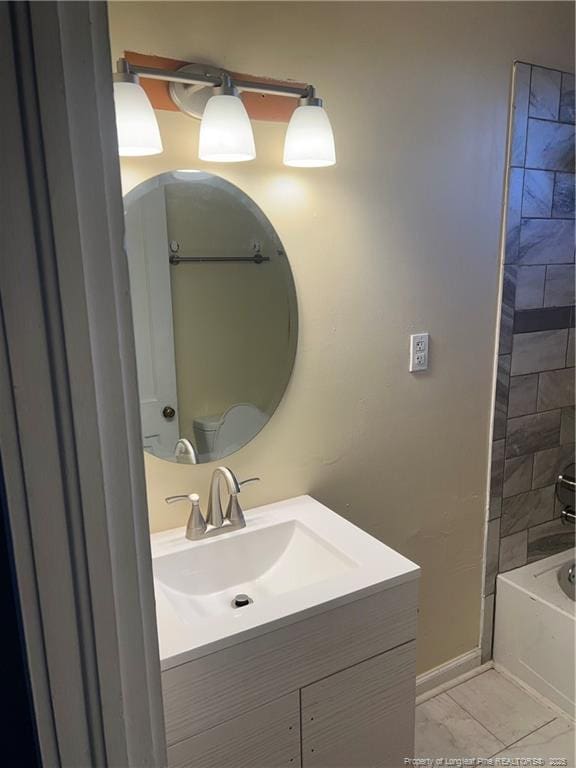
[(147, 249)]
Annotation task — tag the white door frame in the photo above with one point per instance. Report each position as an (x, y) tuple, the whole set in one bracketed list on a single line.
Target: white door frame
[(70, 440)]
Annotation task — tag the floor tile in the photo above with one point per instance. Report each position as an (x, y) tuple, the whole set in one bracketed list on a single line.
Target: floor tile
[(501, 707), (554, 740), (444, 729)]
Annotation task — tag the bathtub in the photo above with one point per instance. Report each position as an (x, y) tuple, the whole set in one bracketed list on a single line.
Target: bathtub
[(534, 629)]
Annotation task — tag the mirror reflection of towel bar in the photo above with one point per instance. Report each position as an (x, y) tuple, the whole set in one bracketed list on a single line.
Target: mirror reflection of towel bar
[(257, 258)]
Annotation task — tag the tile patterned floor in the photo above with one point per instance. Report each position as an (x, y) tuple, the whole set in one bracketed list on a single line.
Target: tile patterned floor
[(489, 716)]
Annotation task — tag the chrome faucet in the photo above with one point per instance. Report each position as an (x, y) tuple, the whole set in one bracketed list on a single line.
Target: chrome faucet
[(215, 522)]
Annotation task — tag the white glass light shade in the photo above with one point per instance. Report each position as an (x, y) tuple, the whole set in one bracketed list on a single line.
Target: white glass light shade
[(136, 124), (309, 139), (225, 132)]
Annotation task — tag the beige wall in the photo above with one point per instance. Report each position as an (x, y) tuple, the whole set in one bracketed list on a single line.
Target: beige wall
[(401, 236)]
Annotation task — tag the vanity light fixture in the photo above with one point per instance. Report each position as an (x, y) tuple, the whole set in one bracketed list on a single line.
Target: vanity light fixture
[(225, 132), (309, 139), (136, 124)]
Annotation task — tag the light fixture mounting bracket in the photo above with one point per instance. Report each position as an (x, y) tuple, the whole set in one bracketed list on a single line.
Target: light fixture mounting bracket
[(191, 98)]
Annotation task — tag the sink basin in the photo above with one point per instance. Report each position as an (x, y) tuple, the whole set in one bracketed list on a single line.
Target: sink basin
[(263, 563), (294, 558)]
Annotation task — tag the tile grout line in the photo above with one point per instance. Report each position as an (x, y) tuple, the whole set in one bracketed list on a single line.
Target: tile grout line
[(507, 746), (488, 729), (475, 718)]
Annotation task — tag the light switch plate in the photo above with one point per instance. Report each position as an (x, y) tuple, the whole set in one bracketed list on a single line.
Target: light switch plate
[(418, 352)]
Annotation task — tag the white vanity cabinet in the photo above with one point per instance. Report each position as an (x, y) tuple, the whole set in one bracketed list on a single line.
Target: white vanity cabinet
[(335, 690)]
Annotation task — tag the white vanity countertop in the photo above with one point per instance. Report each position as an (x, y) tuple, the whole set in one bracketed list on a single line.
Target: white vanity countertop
[(295, 558)]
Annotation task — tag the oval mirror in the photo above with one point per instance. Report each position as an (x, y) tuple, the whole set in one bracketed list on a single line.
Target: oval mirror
[(215, 315)]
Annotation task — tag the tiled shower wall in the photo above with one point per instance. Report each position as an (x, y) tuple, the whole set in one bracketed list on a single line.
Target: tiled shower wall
[(533, 431)]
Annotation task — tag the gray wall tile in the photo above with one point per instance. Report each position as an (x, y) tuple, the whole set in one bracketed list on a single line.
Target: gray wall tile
[(530, 287), (546, 241), (543, 319), (520, 101), (507, 310), (544, 93), (487, 629), (526, 509), (559, 286), (497, 468), (567, 98), (522, 395), (513, 213), (517, 475), (548, 539), (513, 551), (558, 507), (492, 548), (563, 199), (570, 349), (567, 426), (527, 434), (556, 389), (550, 146), (548, 464), (495, 507), (535, 326), (538, 193), (501, 401), (540, 351)]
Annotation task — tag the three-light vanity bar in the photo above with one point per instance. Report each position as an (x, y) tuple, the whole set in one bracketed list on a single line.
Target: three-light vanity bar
[(213, 95)]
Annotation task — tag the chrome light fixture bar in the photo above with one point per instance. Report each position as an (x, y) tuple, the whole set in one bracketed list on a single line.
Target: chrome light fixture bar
[(225, 133)]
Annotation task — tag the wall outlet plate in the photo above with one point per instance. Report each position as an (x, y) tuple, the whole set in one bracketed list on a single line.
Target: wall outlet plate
[(418, 352)]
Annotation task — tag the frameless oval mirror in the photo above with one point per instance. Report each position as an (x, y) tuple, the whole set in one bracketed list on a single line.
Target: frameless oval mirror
[(215, 315)]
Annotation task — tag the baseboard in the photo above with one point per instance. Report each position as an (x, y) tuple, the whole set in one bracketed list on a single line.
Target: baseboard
[(446, 673)]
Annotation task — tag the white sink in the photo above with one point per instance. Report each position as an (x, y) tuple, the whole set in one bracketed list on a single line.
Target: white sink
[(293, 558), (262, 563)]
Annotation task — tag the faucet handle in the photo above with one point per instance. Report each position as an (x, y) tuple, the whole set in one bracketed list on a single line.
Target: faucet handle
[(196, 525), (182, 497), (248, 480)]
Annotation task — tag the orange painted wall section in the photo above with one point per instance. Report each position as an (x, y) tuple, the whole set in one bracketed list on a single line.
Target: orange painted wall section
[(276, 109)]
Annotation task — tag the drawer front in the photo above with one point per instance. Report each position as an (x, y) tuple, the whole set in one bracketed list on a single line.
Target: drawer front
[(205, 692), (362, 717), (265, 737)]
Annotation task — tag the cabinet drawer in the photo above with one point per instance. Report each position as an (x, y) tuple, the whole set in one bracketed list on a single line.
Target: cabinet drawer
[(202, 693), (265, 737), (362, 717)]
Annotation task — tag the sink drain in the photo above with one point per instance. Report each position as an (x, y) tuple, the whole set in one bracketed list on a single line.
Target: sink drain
[(241, 600)]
